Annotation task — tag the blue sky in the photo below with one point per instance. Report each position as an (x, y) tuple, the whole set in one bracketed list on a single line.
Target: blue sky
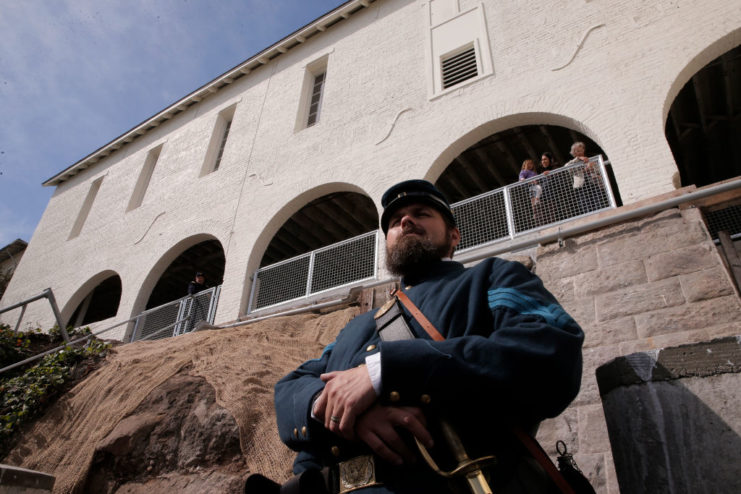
[(75, 74)]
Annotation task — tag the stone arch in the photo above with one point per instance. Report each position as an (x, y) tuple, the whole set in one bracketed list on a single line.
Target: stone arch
[(702, 114), (186, 269), (97, 299), (294, 207), (534, 133), (700, 60)]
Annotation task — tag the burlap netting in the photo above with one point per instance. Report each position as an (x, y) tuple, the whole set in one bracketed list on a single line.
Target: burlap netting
[(242, 364)]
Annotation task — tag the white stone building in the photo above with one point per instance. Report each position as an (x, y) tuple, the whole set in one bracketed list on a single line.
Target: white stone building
[(230, 168)]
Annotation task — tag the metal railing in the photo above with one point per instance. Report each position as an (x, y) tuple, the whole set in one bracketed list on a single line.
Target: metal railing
[(337, 265), (501, 214), (47, 294), (171, 319), (177, 317), (542, 201)]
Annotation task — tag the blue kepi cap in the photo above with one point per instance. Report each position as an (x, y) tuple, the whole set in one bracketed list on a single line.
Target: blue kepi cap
[(413, 191)]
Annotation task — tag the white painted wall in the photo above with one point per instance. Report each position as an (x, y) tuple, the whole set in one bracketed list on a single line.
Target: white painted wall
[(609, 69)]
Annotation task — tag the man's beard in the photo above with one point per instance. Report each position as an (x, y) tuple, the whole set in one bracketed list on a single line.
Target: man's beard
[(413, 254)]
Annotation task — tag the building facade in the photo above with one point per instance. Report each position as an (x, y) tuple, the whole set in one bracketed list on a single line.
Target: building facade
[(372, 93)]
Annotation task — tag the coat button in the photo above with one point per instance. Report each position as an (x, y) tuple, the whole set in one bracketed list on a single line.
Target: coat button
[(303, 431), (370, 348), (394, 396), (335, 451), (425, 399), (295, 433)]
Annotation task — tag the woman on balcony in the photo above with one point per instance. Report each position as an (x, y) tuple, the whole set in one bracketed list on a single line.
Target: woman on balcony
[(546, 211), (587, 183)]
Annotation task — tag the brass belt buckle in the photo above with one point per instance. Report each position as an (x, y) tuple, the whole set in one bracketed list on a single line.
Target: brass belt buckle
[(357, 473)]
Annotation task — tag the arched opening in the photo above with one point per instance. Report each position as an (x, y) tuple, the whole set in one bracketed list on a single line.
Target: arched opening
[(324, 221), (97, 304), (495, 160), (704, 122), (206, 257), (326, 243), (505, 207)]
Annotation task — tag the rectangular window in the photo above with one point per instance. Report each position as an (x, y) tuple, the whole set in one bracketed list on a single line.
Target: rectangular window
[(224, 137), (316, 100), (85, 209), (145, 175), (459, 67), (219, 138), (312, 94)]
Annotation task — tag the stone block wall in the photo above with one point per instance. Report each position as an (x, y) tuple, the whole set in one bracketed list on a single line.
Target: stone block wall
[(637, 286)]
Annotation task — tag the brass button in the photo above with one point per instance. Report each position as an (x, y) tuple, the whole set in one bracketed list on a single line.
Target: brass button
[(425, 399), (303, 431), (370, 348), (295, 433), (394, 396), (408, 287), (335, 451)]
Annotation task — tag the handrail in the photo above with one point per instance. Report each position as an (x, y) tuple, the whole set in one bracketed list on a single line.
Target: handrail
[(47, 294), (96, 333), (561, 234), (499, 248)]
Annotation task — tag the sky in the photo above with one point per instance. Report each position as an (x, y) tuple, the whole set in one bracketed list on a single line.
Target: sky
[(76, 74)]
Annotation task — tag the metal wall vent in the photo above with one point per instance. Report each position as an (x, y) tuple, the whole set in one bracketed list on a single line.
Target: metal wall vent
[(459, 67)]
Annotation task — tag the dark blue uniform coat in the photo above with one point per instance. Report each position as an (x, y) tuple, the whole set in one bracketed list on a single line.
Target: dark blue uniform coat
[(511, 355)]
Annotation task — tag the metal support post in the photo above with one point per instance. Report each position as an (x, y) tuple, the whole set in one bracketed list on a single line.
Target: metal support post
[(509, 213), (53, 302), (310, 273), (606, 181)]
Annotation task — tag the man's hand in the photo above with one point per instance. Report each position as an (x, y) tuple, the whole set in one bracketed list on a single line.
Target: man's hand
[(346, 395), (377, 428)]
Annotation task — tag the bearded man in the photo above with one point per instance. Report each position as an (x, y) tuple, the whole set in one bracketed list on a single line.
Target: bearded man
[(510, 357)]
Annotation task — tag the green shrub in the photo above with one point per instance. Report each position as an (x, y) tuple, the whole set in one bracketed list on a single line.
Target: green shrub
[(25, 396)]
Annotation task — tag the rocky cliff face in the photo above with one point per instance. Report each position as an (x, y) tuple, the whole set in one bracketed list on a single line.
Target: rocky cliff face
[(190, 414)]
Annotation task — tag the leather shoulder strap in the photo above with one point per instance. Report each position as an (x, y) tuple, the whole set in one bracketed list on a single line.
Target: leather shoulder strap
[(421, 318)]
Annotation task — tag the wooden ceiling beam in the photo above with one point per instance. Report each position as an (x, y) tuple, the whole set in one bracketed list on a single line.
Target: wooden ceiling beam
[(472, 168), (552, 146)]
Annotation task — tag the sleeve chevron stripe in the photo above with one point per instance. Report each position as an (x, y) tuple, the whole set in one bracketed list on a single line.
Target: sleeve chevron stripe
[(526, 305)]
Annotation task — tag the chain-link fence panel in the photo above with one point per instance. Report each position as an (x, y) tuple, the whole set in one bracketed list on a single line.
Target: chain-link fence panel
[(281, 282), (333, 266), (177, 317), (481, 219), (344, 262), (726, 219), (158, 322)]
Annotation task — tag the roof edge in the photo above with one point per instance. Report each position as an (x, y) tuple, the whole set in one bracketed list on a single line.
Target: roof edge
[(263, 57)]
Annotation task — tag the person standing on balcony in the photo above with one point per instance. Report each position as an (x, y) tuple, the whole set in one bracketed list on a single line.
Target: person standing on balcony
[(509, 356), (198, 284), (549, 200), (535, 191), (587, 182), (196, 310)]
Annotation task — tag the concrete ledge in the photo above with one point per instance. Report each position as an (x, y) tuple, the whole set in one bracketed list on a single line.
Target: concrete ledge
[(20, 480), (715, 357)]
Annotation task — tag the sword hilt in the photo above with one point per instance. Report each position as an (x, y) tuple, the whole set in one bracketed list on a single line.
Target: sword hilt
[(471, 469)]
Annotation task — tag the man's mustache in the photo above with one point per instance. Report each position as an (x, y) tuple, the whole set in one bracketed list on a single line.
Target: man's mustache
[(412, 229)]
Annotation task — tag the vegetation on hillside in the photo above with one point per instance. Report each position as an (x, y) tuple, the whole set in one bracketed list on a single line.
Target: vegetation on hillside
[(25, 392)]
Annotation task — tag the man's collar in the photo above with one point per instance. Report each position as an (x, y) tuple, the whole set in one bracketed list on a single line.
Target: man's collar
[(434, 270)]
